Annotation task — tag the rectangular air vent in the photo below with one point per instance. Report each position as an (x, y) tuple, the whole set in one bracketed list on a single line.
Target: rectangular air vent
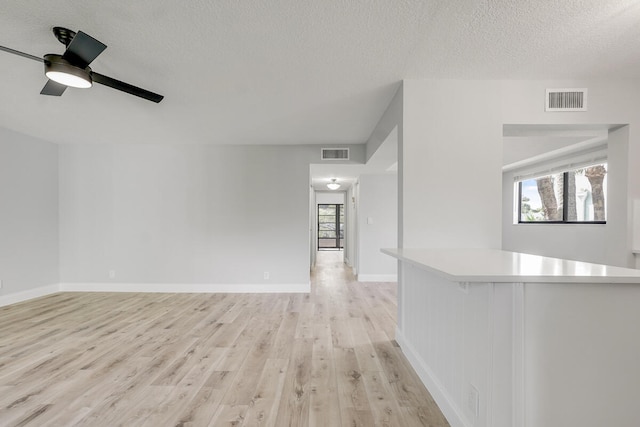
[(335, 154), (566, 100)]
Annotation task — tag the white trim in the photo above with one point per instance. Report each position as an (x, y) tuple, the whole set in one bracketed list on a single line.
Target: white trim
[(289, 288), (491, 368), (519, 358), (433, 385), (28, 294), (186, 287), (377, 277)]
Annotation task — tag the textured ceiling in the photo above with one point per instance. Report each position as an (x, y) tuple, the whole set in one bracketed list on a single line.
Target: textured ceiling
[(291, 71)]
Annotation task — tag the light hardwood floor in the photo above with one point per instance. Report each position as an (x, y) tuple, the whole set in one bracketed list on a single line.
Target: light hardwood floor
[(107, 359)]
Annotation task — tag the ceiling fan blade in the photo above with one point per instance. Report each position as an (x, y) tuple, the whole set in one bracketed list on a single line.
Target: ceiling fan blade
[(83, 49), (126, 87), (25, 55), (52, 88)]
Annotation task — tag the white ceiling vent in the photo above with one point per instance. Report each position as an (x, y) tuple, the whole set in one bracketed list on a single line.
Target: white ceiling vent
[(566, 100), (335, 154)]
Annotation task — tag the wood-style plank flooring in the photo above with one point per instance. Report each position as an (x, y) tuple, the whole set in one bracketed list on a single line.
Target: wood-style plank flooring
[(130, 359)]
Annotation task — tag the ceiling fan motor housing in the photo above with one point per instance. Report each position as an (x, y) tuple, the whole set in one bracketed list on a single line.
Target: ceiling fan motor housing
[(55, 65)]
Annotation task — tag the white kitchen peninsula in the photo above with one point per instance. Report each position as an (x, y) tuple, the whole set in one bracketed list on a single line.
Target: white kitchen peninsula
[(506, 339)]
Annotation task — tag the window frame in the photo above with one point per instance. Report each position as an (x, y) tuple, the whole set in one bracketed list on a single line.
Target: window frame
[(338, 231), (565, 201)]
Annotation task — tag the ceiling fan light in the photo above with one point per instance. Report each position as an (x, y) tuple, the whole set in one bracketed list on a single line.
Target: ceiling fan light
[(68, 79), (61, 71)]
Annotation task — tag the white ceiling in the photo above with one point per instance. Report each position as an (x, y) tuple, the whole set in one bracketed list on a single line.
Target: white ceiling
[(291, 71)]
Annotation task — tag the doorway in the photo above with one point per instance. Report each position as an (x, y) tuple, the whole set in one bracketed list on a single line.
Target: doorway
[(330, 227)]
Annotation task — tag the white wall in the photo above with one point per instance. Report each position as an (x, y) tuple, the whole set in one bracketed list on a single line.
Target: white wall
[(391, 121), (459, 338), (217, 215), (583, 242), (519, 148), (451, 192), (377, 227), (28, 216), (610, 102), (580, 354), (329, 198), (451, 159), (450, 195)]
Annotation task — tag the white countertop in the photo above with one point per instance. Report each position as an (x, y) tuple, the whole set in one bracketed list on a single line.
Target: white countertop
[(492, 265)]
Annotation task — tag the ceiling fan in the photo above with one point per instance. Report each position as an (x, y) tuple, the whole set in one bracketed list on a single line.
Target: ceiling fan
[(72, 67)]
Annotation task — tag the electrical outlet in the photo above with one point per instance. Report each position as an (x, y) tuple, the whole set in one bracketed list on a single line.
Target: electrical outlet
[(112, 274), (266, 275)]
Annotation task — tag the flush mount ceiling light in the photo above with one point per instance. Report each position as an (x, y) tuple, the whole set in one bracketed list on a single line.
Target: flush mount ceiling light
[(333, 185), (61, 71)]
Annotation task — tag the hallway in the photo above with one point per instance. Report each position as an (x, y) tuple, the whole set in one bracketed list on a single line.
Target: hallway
[(376, 384)]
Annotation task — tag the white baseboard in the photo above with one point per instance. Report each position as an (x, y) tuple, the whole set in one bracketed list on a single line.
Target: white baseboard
[(28, 294), (192, 288), (289, 288), (377, 277), (438, 392)]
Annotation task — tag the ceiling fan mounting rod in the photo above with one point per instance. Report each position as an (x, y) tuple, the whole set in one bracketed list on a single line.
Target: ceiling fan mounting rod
[(64, 35)]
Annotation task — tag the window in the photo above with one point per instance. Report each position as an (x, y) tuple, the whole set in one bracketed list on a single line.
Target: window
[(570, 196), (330, 226)]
